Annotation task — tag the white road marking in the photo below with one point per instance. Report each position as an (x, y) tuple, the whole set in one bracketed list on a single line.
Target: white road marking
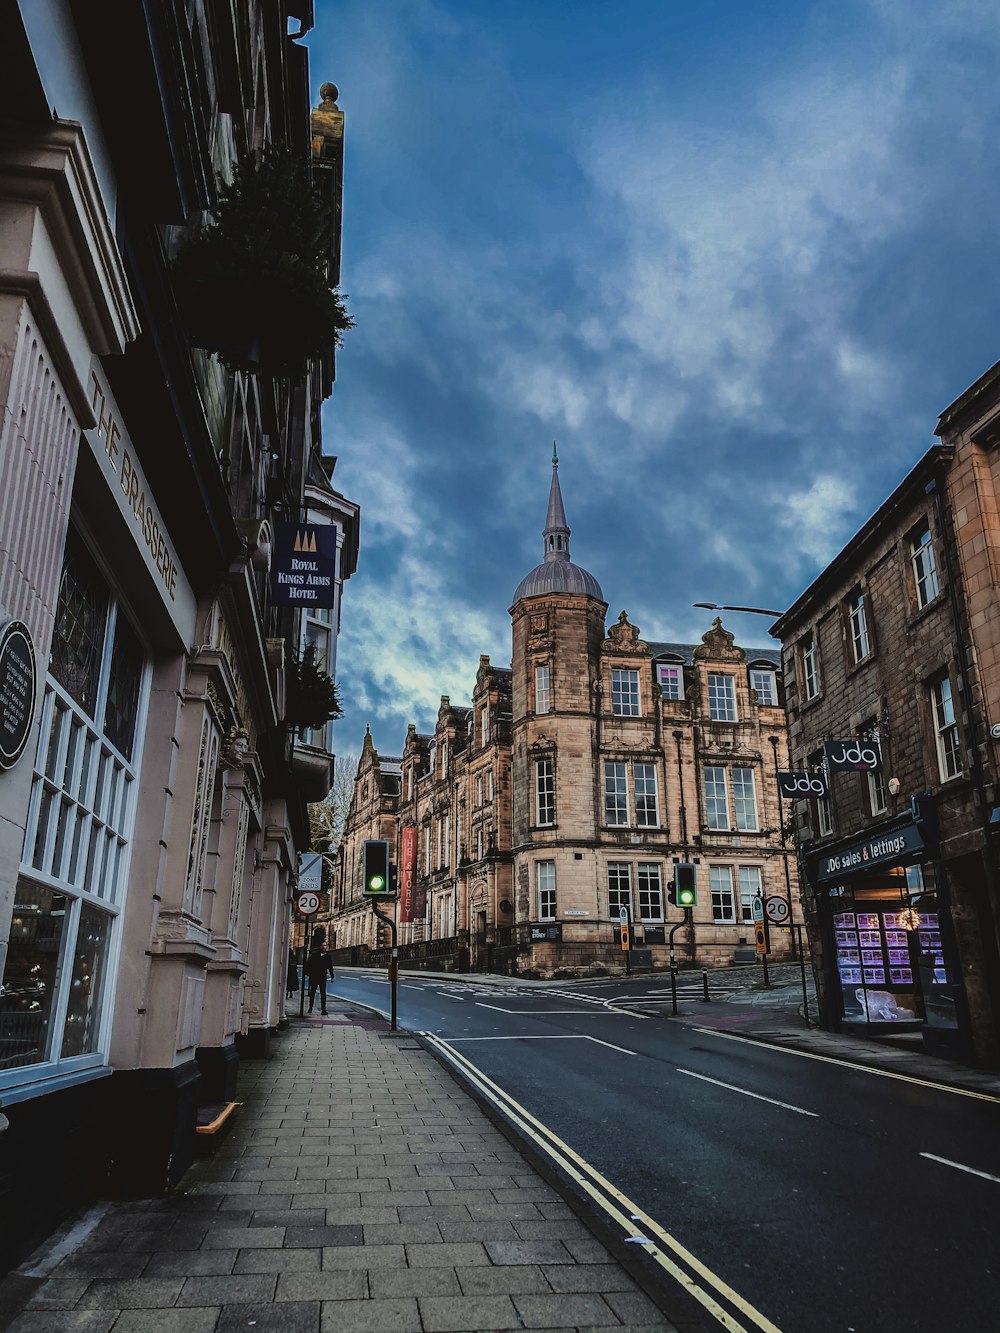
[(695, 1278), (931, 1157), (849, 1064), (560, 1036), (747, 1093)]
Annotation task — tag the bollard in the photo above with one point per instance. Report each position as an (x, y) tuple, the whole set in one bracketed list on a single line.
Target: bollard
[(704, 985)]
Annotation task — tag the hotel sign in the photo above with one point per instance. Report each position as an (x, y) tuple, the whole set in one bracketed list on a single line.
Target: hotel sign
[(304, 565), (115, 454)]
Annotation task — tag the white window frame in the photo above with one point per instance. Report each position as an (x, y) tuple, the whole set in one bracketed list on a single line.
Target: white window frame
[(857, 618), (824, 805), (923, 562), (317, 628), (619, 888), (545, 793), (720, 880), (670, 678), (810, 667), (545, 890), (543, 689), (744, 794), (616, 813), (722, 697), (764, 681), (484, 726), (877, 802), (751, 886), (625, 698), (649, 888), (947, 737), (713, 800), (647, 795)]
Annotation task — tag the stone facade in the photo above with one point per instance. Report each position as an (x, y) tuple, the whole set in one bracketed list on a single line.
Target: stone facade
[(571, 787)]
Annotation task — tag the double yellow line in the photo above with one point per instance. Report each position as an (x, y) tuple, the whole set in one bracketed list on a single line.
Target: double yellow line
[(696, 1279)]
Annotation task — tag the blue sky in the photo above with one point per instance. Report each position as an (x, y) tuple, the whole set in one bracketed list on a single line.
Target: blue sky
[(735, 256)]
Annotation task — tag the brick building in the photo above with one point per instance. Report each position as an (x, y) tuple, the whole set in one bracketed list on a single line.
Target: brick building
[(571, 787), (897, 881)]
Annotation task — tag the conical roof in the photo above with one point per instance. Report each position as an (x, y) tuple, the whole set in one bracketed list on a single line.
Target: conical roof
[(557, 573)]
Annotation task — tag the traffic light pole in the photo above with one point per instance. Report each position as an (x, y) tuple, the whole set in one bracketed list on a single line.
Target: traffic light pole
[(673, 962), (393, 965)]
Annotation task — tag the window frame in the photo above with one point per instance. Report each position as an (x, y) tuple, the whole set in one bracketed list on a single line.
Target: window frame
[(625, 692), (923, 564), (543, 688), (713, 800), (725, 697), (545, 791), (652, 891), (616, 868), (741, 802), (809, 660), (642, 799), (613, 797), (546, 890), (878, 803), (675, 671), (747, 894), (945, 723), (770, 676), (858, 629), (718, 893)]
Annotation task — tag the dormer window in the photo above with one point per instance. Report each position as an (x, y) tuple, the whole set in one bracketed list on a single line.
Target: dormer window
[(763, 683)]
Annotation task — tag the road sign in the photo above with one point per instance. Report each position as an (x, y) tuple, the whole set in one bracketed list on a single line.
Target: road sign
[(626, 939), (623, 915), (307, 903), (760, 936), (758, 908), (311, 873), (777, 910)]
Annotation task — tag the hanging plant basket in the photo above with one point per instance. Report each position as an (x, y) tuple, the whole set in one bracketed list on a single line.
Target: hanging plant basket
[(311, 696), (252, 286)]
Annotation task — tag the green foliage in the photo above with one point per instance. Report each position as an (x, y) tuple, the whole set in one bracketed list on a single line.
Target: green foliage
[(253, 285), (311, 696)]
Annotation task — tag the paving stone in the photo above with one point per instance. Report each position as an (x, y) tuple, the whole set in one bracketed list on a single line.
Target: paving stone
[(497, 1229), (364, 1256), (229, 1290), (63, 1321), (555, 1228), (197, 1319), (278, 1261), (458, 1314), (131, 1294), (372, 1316), (445, 1256), (588, 1277), (363, 1213), (586, 1250), (101, 1265), (633, 1307), (415, 1282), (332, 1285), (528, 1252), (401, 1233), (562, 1311), (302, 1317), (236, 1238), (289, 1217), (311, 1237), (182, 1263), (58, 1293), (511, 1279)]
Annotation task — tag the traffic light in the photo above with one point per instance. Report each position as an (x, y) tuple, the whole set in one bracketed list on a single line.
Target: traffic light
[(683, 892), (376, 868)]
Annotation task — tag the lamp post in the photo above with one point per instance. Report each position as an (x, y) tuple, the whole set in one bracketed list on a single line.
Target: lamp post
[(774, 742)]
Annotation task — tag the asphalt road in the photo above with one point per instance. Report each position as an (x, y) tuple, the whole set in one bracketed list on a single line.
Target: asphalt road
[(826, 1199)]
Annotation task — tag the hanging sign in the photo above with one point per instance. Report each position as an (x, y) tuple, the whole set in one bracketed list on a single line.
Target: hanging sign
[(852, 756), (18, 687), (803, 786), (407, 871), (304, 564)]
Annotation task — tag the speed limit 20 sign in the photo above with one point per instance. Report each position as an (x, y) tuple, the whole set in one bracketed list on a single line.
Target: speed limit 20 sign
[(307, 903)]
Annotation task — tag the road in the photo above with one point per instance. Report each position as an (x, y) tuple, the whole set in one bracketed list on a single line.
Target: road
[(809, 1197)]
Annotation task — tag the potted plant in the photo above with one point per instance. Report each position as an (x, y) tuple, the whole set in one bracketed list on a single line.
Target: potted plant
[(252, 286), (311, 696)]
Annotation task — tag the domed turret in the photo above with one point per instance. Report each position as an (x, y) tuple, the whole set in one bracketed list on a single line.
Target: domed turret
[(557, 573)]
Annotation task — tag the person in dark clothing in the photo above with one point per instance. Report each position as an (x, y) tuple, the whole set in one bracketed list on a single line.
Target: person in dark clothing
[(318, 966), (292, 976)]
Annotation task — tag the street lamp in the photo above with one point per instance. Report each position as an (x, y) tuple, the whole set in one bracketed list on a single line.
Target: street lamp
[(754, 610)]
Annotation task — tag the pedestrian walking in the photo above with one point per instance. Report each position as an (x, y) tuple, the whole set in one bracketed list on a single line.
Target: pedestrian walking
[(318, 966), (292, 975)]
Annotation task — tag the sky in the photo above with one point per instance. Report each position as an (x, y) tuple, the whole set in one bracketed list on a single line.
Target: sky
[(734, 256)]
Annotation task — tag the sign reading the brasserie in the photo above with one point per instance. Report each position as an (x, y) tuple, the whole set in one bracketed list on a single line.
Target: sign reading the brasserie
[(852, 756), (885, 849), (304, 564), (18, 686), (802, 786)]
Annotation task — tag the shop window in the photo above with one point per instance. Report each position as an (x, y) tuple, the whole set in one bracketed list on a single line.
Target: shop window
[(56, 981)]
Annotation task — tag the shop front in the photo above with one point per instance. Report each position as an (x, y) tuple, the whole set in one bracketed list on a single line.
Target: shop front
[(890, 962)]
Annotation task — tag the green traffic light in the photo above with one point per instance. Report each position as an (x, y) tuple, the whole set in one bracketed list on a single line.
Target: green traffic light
[(376, 882), (685, 897)]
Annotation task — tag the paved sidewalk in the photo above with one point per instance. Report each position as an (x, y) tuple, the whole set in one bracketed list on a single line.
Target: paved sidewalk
[(360, 1189)]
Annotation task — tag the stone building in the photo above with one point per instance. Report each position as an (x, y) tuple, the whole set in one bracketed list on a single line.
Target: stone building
[(898, 884), (153, 789), (575, 782)]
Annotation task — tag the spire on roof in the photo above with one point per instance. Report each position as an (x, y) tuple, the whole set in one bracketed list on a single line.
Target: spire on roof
[(555, 534)]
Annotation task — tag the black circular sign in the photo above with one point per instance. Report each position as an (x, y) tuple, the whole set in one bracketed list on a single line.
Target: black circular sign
[(18, 684)]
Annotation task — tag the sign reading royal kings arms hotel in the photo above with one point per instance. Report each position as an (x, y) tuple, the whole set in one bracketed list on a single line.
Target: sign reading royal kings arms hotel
[(304, 564)]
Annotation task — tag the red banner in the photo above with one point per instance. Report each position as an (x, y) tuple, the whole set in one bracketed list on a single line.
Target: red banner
[(407, 868)]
